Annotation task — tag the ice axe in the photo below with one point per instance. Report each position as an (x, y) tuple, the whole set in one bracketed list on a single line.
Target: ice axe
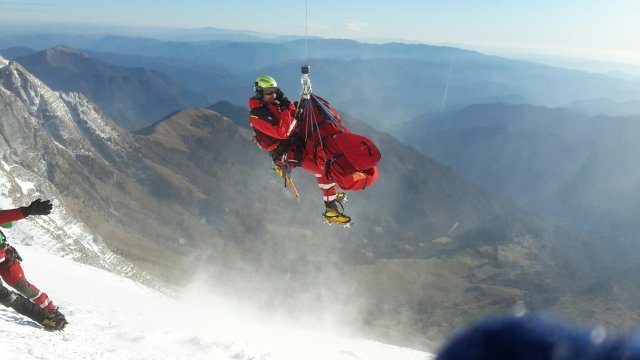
[(283, 169)]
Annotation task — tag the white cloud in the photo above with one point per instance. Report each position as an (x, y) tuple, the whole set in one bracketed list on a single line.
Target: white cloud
[(355, 25)]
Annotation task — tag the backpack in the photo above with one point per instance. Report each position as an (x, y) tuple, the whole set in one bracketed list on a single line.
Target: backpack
[(348, 154), (348, 159)]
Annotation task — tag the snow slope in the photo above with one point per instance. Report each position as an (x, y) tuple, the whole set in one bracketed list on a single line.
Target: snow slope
[(115, 318)]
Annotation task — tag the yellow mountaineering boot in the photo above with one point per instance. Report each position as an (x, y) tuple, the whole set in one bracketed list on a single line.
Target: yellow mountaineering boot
[(334, 216), (54, 321)]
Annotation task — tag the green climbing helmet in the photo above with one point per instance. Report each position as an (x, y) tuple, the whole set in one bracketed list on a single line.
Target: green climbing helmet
[(265, 82)]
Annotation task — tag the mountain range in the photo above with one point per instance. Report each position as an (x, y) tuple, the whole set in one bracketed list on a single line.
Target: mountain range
[(383, 84), (429, 250), (133, 97), (574, 167), (192, 195)]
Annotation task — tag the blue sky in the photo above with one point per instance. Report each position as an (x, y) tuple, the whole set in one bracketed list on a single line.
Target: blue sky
[(594, 29)]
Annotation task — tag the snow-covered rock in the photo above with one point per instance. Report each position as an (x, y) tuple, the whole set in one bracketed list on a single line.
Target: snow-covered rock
[(44, 132), (71, 120)]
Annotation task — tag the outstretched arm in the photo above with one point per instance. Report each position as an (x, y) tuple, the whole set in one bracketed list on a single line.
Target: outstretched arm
[(7, 216), (37, 207)]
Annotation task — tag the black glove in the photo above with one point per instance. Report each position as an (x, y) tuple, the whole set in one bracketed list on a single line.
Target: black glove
[(37, 207), (284, 102), (12, 254)]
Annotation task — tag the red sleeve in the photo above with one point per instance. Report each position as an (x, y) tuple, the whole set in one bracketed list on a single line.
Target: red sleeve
[(285, 122), (3, 255), (292, 110), (10, 215)]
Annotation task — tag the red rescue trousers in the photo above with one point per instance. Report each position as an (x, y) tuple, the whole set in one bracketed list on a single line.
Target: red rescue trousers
[(327, 186), (12, 273)]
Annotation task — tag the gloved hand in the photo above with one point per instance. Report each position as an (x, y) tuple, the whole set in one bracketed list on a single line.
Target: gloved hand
[(37, 207), (281, 168), (283, 100), (12, 254), (278, 170)]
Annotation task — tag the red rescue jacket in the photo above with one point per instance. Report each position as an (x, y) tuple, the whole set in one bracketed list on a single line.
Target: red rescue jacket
[(7, 216)]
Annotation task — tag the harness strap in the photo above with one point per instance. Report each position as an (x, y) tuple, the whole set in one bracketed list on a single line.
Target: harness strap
[(318, 143), (300, 146), (328, 163), (3, 241), (282, 149)]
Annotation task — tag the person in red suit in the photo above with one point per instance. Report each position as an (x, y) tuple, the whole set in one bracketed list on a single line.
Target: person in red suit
[(13, 275), (272, 117)]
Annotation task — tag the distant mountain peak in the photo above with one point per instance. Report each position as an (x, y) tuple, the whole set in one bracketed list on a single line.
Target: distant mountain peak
[(64, 52), (64, 48), (187, 120), (223, 104), (15, 52)]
